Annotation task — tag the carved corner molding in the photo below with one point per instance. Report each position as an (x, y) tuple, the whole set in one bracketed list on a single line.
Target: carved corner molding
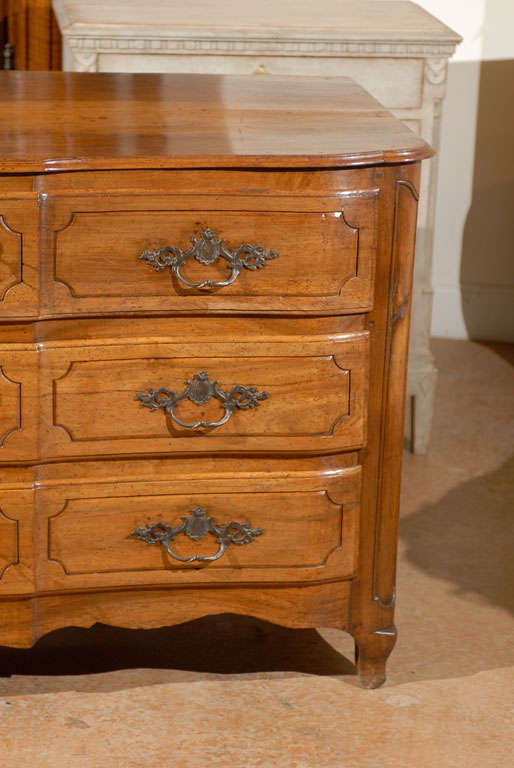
[(6, 521), (409, 185), (5, 384), (52, 558), (85, 49), (17, 277)]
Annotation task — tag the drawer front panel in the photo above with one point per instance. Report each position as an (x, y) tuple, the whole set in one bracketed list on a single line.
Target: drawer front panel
[(293, 528), (219, 253), (308, 395)]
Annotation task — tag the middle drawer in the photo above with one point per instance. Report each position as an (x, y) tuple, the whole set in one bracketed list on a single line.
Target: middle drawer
[(269, 394)]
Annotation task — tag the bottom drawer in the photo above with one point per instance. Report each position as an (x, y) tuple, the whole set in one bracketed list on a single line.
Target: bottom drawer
[(269, 527)]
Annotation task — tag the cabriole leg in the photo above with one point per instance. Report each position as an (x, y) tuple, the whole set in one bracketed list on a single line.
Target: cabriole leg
[(371, 654)]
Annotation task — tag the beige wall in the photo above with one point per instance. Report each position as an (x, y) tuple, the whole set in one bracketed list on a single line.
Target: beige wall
[(474, 236)]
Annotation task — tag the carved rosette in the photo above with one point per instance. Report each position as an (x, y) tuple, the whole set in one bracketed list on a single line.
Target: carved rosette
[(436, 70)]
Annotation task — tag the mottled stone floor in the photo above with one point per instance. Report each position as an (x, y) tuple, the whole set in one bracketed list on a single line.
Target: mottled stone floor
[(239, 693)]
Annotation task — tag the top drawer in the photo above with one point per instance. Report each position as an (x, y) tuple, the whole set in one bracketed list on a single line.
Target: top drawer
[(212, 242)]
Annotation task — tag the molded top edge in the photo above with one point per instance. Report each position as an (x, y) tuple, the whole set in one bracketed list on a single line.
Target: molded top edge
[(55, 121)]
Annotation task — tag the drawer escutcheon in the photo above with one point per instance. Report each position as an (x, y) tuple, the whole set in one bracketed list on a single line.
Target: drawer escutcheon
[(200, 390), (206, 249), (196, 525)]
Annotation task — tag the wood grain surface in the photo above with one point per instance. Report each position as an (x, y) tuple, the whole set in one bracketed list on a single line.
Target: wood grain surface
[(72, 242), (143, 162), (26, 619), (72, 121), (79, 398)]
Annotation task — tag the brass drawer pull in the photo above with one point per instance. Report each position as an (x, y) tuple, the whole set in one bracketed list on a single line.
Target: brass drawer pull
[(196, 525), (200, 390), (207, 249)]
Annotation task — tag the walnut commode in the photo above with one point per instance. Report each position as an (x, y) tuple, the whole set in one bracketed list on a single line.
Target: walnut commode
[(205, 287)]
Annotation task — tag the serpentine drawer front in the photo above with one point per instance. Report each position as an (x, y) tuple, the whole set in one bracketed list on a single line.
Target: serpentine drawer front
[(285, 529), (307, 393), (204, 310), (218, 251)]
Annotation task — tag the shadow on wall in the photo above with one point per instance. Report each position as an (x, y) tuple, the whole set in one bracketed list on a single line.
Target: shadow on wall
[(467, 538), (487, 265)]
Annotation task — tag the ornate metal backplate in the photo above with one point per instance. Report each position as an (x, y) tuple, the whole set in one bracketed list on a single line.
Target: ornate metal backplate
[(206, 249), (200, 389), (196, 525)]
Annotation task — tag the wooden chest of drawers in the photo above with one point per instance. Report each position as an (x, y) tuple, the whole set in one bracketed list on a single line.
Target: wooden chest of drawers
[(204, 287)]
